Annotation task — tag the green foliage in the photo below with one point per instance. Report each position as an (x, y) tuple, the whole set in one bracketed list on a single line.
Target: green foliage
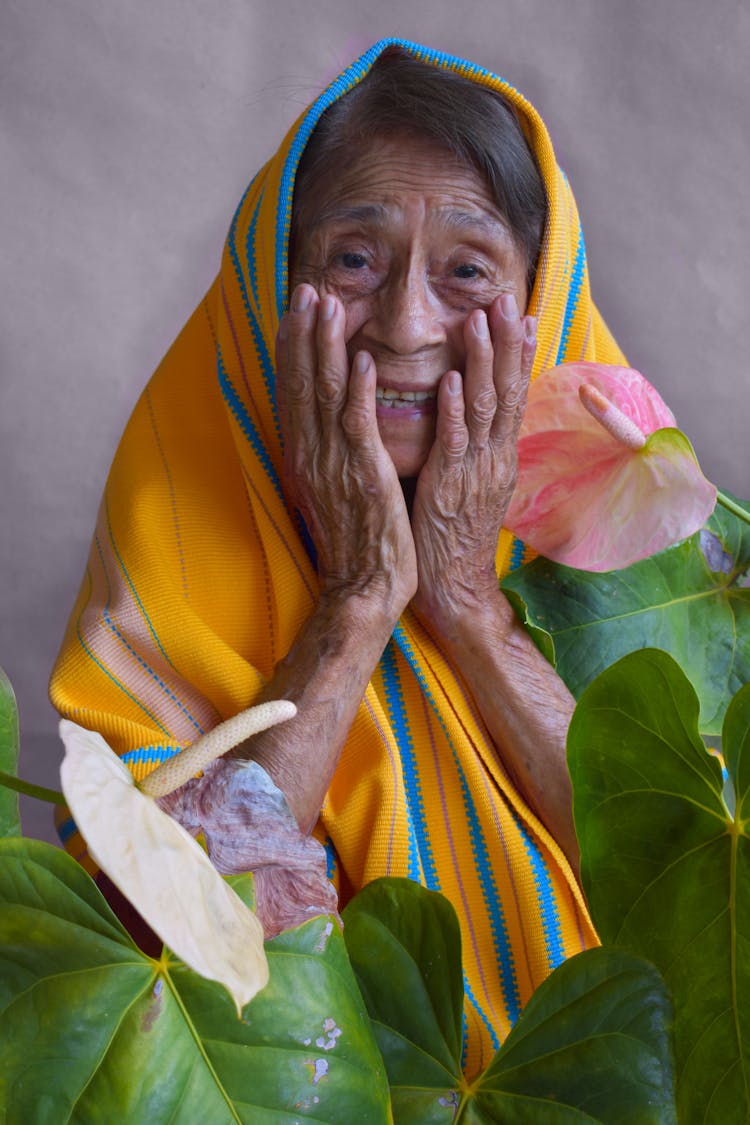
[(666, 865), (592, 1045), (91, 1029), (692, 601), (10, 824)]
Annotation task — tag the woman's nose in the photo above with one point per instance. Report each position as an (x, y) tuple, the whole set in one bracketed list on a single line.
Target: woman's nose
[(409, 315)]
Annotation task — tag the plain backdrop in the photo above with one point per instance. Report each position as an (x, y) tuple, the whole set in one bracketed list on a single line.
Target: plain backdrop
[(128, 132)]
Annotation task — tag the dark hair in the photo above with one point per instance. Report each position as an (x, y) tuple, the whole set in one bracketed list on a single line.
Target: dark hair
[(476, 124)]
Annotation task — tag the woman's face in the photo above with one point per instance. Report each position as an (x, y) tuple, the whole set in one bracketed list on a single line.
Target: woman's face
[(410, 240)]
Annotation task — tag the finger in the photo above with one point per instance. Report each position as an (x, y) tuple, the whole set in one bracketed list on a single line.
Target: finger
[(332, 361), (451, 431), (510, 375), (358, 418), (480, 396), (300, 352)]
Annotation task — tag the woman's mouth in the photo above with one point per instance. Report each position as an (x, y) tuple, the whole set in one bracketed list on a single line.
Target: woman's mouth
[(394, 399)]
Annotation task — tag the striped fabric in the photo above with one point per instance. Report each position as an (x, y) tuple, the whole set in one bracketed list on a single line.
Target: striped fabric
[(200, 577)]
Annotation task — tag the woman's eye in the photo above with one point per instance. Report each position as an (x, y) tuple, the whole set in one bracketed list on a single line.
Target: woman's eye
[(352, 261), (466, 271)]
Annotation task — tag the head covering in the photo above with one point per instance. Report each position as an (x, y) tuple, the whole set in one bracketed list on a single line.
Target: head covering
[(200, 577)]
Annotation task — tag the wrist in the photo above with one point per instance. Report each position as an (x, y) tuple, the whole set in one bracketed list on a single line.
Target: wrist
[(475, 624), (344, 632), (373, 603)]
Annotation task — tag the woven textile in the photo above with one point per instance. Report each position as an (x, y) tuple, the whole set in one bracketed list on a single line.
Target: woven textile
[(200, 577)]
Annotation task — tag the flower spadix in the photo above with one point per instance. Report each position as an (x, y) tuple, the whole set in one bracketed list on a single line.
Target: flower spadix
[(159, 867), (604, 477)]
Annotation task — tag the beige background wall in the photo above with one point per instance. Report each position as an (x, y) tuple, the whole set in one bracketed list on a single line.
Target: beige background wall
[(129, 130)]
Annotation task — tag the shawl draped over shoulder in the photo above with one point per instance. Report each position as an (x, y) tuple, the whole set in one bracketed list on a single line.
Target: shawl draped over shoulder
[(200, 577)]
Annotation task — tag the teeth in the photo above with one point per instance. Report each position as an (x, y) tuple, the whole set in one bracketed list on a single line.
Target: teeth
[(401, 398)]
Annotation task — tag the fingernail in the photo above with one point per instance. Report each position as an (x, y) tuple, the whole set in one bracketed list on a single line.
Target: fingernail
[(327, 308), (479, 325), (301, 298), (529, 328), (509, 307), (361, 362), (454, 381)]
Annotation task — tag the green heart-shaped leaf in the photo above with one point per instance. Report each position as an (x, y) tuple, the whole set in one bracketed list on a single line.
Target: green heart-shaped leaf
[(91, 1029), (692, 600), (591, 1045), (666, 865)]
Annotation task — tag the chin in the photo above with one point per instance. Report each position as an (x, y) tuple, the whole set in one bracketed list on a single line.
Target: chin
[(409, 456), (408, 463)]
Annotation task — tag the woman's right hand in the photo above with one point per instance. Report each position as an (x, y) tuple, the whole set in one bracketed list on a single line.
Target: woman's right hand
[(336, 468)]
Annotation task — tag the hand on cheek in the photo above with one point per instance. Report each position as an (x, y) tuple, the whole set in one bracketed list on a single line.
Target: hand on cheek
[(466, 484), (335, 466)]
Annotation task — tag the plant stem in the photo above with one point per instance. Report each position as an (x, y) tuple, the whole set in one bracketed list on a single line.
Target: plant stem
[(731, 506), (50, 795)]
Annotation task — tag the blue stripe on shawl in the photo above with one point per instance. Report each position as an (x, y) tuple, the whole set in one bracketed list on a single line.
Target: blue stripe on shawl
[(550, 914), (420, 849), (574, 292), (148, 754), (332, 859), (490, 1029), (516, 554), (268, 369), (503, 949), (351, 76), (67, 829), (266, 364), (246, 424)]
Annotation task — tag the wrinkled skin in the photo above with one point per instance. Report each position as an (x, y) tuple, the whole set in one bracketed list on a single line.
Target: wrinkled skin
[(248, 826), (411, 282)]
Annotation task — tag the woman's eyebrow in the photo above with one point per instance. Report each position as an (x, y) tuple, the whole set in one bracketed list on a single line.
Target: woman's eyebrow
[(373, 213), (481, 221), (377, 214)]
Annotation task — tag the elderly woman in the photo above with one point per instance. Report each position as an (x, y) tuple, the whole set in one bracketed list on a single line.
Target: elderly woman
[(308, 503)]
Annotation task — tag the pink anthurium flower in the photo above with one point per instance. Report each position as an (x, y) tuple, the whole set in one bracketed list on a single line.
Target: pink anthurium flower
[(604, 478)]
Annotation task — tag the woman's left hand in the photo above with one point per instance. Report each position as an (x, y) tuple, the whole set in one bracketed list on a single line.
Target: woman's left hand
[(467, 481)]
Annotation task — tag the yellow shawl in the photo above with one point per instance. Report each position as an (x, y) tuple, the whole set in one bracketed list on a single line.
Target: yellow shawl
[(199, 578)]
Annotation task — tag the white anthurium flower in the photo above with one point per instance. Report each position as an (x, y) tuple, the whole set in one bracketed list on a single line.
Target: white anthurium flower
[(156, 864)]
